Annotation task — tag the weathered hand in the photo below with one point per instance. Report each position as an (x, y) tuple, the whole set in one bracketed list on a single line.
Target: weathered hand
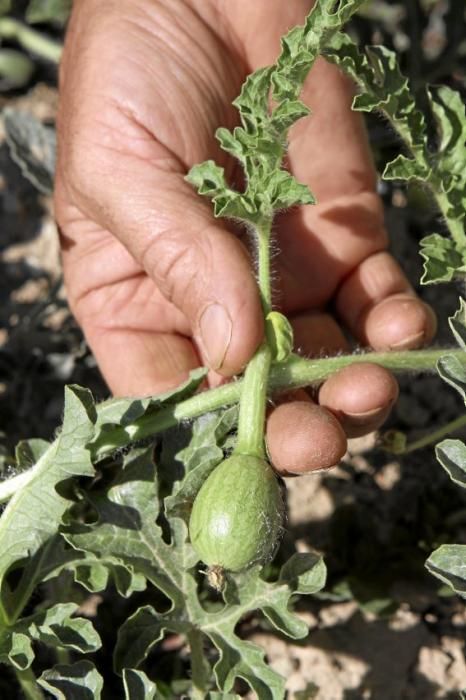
[(158, 285)]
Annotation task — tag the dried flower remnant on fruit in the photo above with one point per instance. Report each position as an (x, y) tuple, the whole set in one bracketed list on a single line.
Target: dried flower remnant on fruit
[(216, 578)]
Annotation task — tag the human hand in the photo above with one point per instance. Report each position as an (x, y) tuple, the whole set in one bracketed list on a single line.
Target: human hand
[(157, 284)]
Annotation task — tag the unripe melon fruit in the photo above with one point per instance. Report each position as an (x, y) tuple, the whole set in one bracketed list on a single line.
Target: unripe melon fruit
[(237, 515)]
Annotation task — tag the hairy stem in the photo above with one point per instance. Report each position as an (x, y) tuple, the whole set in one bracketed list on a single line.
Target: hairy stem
[(28, 684), (253, 399), (263, 233), (294, 373), (30, 39), (426, 440), (252, 406)]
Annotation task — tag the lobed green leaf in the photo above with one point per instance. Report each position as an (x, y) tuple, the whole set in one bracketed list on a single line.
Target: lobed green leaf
[(139, 634), (32, 516), (452, 371), (448, 563), (127, 529), (253, 100), (383, 87), (442, 168), (29, 541), (138, 686), (129, 511), (282, 190), (450, 159), (115, 421), (16, 649), (458, 324), (55, 627), (444, 259), (79, 681), (268, 106), (204, 452), (452, 456), (287, 113)]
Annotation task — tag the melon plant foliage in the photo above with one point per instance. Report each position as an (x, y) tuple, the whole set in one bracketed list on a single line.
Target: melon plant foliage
[(448, 562), (108, 502), (134, 539)]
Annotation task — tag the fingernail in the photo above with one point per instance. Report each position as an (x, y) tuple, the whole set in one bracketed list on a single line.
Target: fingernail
[(410, 343), (215, 330), (356, 420), (364, 416)]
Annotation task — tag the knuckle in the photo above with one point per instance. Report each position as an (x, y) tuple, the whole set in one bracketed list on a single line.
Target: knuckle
[(180, 265)]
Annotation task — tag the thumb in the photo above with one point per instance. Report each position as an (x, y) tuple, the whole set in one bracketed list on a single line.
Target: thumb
[(197, 264)]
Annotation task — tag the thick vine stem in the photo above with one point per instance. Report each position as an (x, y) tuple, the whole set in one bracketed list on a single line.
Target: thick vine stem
[(253, 403), (296, 372), (30, 39), (253, 400)]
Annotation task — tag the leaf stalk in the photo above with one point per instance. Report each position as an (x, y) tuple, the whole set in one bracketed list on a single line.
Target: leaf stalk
[(429, 439)]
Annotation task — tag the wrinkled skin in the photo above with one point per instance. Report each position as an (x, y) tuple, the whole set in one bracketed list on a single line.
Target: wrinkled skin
[(158, 285)]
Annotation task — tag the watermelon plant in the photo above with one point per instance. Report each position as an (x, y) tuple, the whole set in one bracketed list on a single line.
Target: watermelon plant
[(171, 499)]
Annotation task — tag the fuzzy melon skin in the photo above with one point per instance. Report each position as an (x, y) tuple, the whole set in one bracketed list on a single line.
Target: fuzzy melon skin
[(237, 515)]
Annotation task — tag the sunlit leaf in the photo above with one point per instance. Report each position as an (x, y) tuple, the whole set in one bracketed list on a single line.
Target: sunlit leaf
[(444, 260), (448, 563), (138, 686), (260, 142), (79, 681), (452, 456)]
